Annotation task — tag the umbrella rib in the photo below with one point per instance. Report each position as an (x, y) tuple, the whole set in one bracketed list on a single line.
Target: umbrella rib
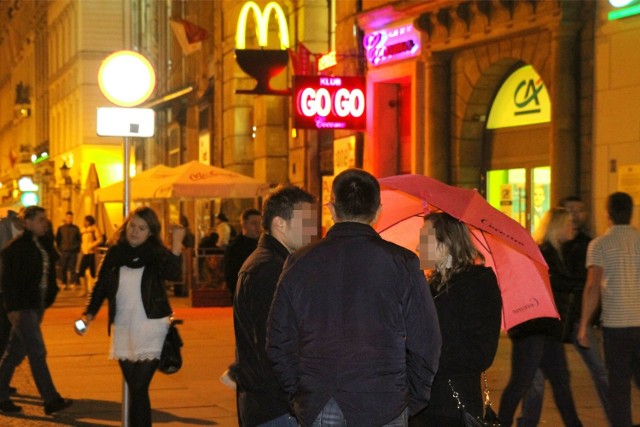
[(486, 247), (396, 223)]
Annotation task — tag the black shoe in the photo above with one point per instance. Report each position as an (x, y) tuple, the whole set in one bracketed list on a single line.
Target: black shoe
[(9, 407), (57, 404)]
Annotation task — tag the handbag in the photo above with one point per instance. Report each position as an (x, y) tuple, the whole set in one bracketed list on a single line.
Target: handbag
[(489, 419), (171, 357)]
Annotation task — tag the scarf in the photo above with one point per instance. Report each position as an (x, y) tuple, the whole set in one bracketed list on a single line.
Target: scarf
[(123, 254)]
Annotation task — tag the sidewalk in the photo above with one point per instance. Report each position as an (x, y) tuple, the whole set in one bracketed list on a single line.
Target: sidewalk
[(194, 396), (81, 371)]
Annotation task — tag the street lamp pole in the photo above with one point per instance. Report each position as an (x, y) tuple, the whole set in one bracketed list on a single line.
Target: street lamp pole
[(127, 79)]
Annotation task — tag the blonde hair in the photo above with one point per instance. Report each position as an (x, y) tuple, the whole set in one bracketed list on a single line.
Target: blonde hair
[(551, 228)]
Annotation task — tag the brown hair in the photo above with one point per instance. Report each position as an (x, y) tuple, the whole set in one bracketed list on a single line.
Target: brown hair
[(457, 239)]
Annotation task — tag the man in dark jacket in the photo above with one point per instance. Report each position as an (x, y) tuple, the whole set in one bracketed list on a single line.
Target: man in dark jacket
[(289, 222), (353, 332), (28, 287), (68, 241), (241, 246)]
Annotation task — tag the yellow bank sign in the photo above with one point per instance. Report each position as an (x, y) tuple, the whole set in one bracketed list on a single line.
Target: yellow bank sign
[(522, 100), (261, 18)]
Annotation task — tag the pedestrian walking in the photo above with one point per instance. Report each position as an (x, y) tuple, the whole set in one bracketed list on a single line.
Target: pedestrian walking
[(574, 254), (537, 343), (91, 238), (469, 305), (613, 275), (68, 242), (132, 277), (10, 228), (288, 219), (353, 332), (28, 288)]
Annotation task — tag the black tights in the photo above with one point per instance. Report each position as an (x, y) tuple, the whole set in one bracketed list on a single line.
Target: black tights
[(138, 376)]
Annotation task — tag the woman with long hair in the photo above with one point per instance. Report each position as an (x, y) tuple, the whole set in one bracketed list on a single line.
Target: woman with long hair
[(536, 343), (469, 305), (132, 277)]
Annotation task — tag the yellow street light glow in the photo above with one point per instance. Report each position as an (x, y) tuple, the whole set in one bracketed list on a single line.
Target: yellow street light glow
[(262, 24), (126, 78)]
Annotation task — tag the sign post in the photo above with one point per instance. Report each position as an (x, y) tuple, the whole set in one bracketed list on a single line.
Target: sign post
[(127, 79)]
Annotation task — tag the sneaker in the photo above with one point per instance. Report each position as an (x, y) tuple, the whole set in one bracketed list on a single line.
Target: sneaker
[(57, 404), (227, 379), (9, 407)]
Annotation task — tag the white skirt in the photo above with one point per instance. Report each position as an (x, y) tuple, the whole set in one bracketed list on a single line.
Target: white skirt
[(134, 336)]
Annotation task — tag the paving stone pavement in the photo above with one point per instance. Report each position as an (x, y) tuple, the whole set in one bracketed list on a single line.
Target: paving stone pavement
[(194, 396)]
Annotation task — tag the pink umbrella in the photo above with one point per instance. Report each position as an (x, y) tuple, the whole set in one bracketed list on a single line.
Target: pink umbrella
[(507, 246)]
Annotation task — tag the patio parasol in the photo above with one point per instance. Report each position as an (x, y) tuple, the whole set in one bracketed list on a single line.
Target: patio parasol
[(507, 246), (191, 180)]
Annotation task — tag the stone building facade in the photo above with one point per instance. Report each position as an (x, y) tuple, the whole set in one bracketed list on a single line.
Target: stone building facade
[(427, 111)]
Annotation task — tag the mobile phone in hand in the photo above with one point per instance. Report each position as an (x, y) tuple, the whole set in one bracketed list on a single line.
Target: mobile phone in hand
[(80, 326)]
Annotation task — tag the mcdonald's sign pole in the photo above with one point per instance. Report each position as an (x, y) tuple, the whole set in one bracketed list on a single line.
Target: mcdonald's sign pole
[(262, 64), (127, 79)]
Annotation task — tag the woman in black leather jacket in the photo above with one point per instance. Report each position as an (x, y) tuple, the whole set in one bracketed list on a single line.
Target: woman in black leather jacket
[(132, 277)]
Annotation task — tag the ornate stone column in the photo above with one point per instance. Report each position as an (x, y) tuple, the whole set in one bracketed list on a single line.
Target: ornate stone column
[(564, 111), (437, 114)]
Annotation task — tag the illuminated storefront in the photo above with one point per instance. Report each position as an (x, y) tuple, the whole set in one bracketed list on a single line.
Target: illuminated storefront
[(483, 95)]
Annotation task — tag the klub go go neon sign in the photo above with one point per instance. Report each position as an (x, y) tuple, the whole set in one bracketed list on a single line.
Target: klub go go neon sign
[(329, 102)]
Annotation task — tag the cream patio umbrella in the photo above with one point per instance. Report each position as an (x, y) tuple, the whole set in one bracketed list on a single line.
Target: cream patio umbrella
[(191, 180)]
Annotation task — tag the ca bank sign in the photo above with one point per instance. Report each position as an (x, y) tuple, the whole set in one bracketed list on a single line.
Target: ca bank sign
[(522, 100)]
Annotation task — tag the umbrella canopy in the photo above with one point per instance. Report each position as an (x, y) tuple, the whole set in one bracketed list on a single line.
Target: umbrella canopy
[(508, 248), (188, 181)]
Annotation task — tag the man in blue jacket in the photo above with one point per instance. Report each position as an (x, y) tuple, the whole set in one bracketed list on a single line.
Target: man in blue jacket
[(353, 332)]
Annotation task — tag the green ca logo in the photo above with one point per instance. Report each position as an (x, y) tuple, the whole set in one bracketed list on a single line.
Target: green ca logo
[(527, 92)]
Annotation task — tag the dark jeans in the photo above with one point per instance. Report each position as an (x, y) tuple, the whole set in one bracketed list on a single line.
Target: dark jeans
[(527, 355), (5, 329), (68, 262), (622, 357), (138, 376), (532, 405), (26, 340)]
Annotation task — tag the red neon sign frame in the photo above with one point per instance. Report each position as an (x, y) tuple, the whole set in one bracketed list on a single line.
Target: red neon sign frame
[(329, 102)]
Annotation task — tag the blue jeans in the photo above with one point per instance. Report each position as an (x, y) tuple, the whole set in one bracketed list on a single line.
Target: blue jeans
[(331, 416), (286, 420), (532, 404), (26, 340), (622, 356), (527, 355)]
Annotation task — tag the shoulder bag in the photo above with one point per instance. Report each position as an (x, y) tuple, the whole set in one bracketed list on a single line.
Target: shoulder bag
[(489, 419), (171, 357)]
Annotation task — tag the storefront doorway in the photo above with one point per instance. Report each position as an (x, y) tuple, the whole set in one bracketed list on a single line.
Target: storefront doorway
[(518, 178), (392, 128), (521, 193)]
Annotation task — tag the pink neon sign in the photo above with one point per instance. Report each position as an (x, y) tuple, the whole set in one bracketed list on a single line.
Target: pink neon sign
[(392, 44), (329, 102)]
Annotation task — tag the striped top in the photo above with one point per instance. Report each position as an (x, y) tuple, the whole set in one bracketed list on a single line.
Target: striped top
[(618, 253)]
